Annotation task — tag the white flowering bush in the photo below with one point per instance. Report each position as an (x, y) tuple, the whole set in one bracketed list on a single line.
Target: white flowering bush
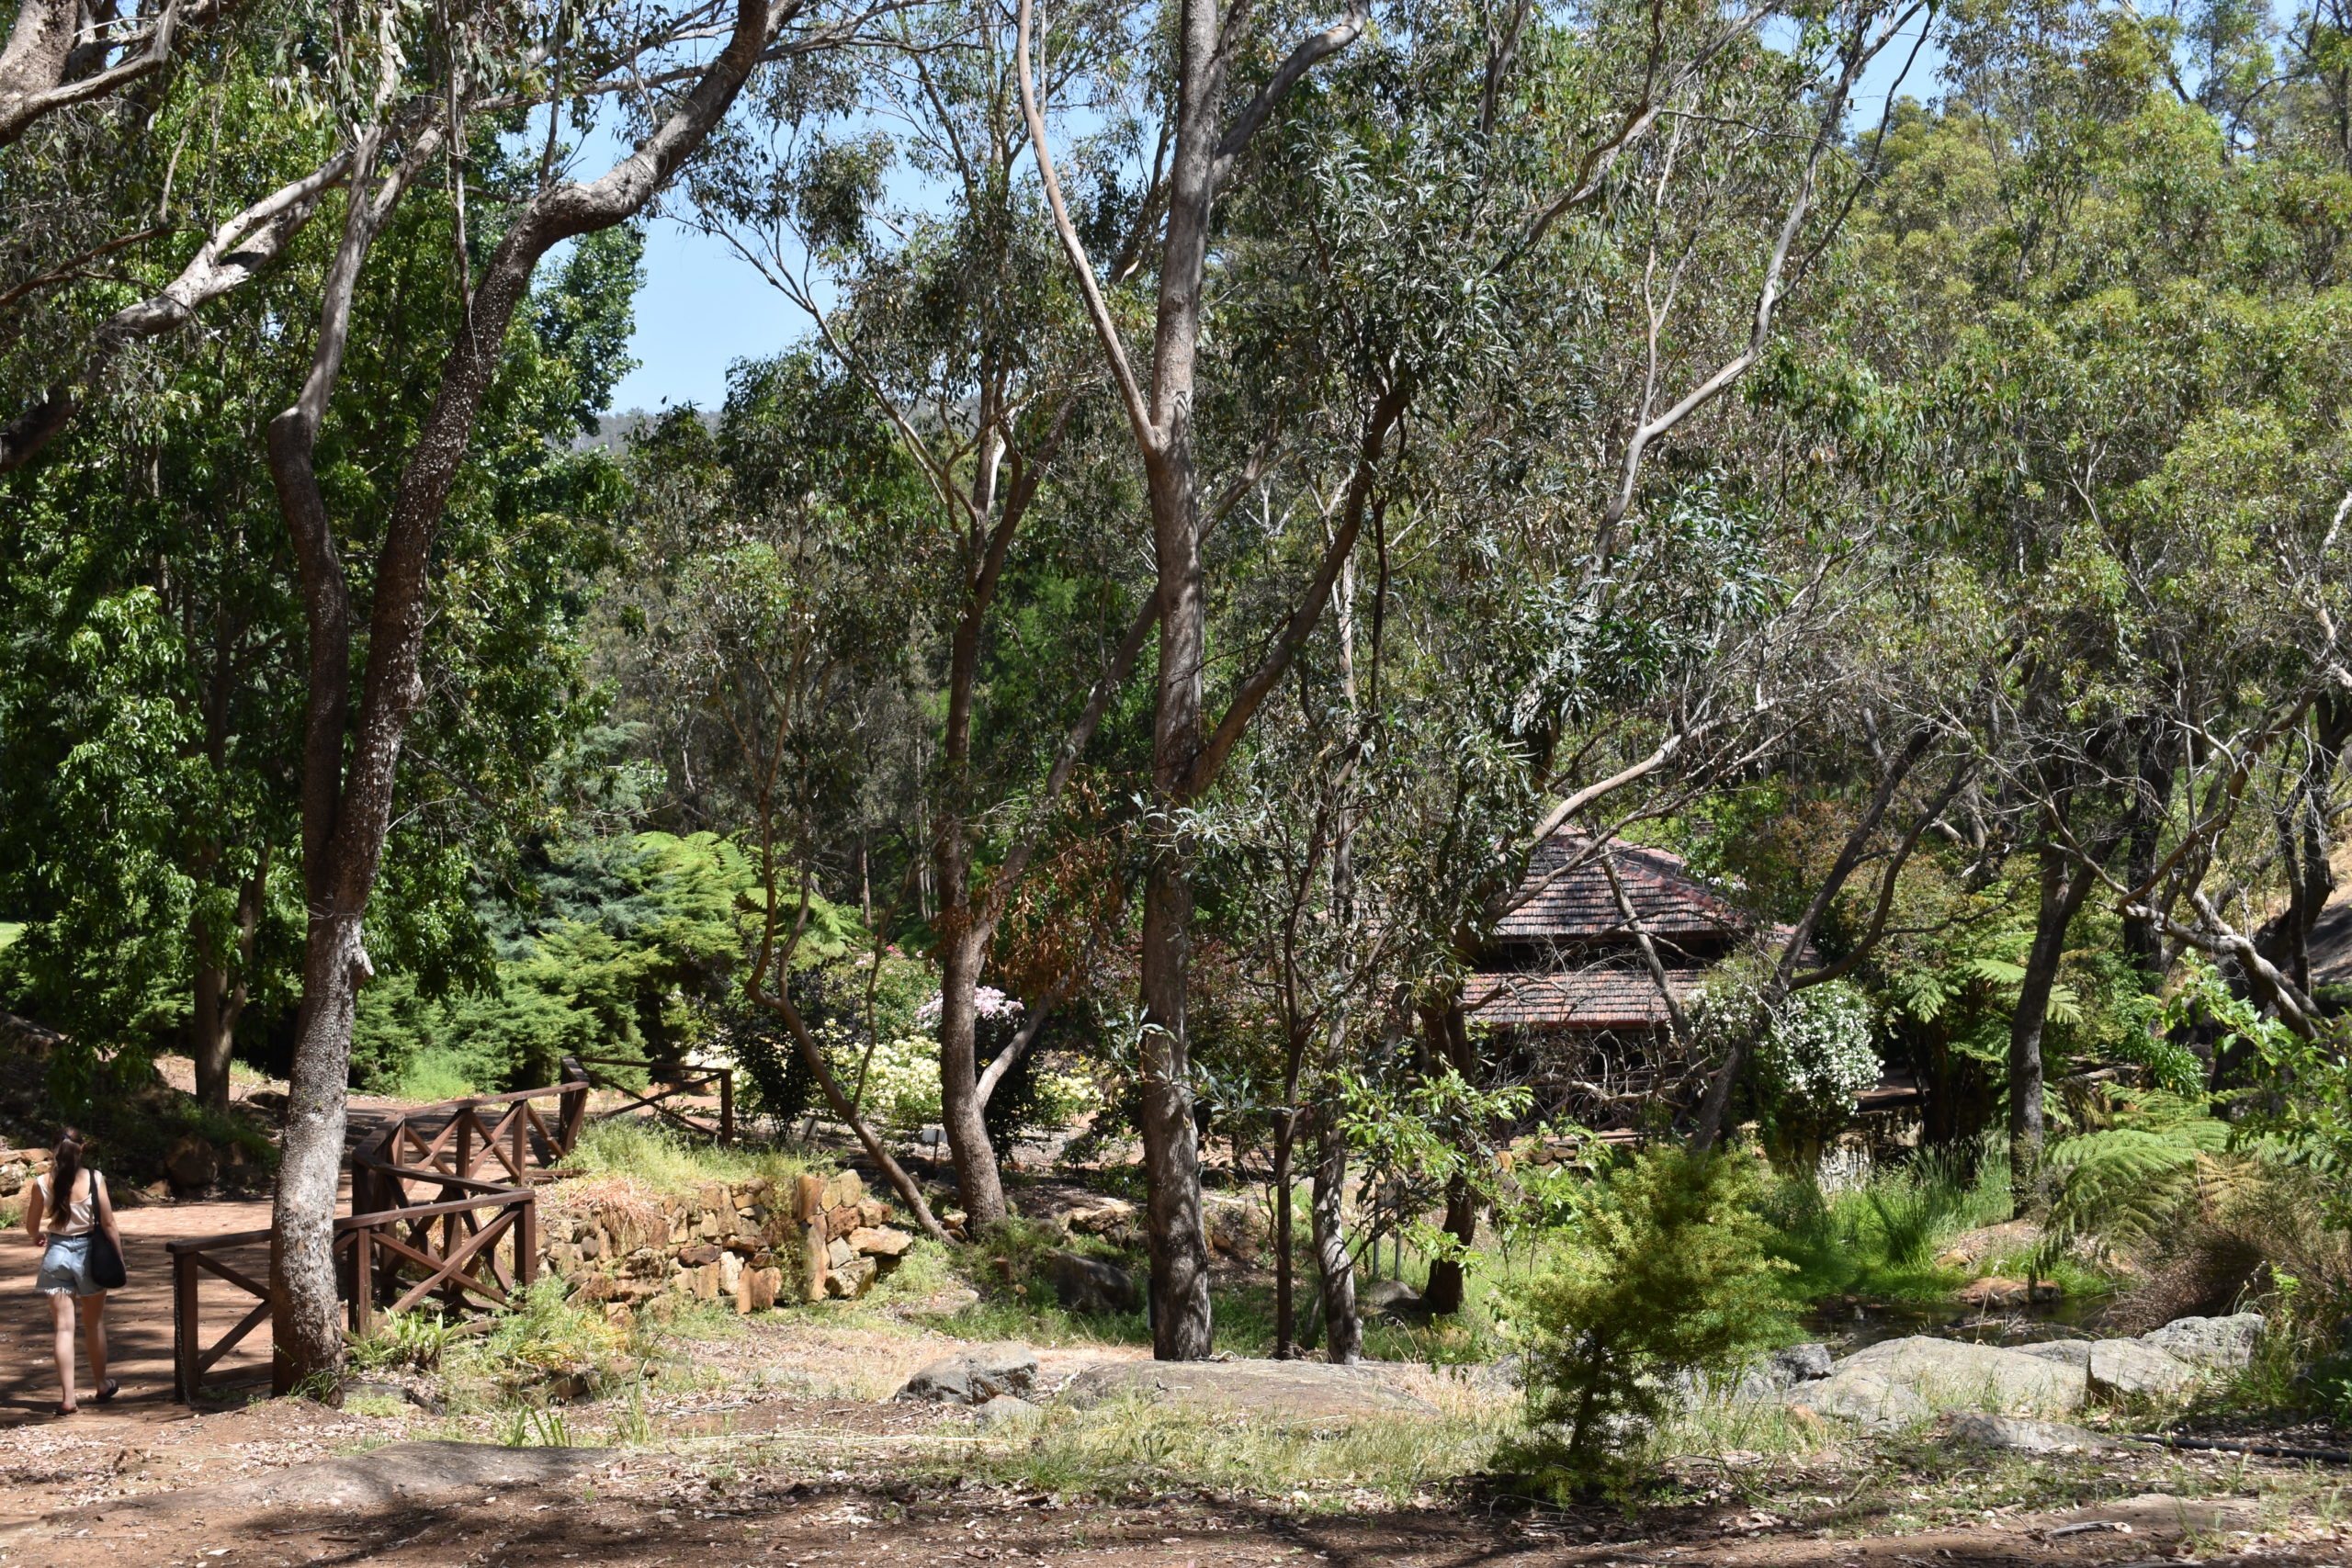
[(902, 1083), (1817, 1048)]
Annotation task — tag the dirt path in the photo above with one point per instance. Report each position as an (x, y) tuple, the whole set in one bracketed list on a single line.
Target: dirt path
[(139, 1317), (639, 1511)]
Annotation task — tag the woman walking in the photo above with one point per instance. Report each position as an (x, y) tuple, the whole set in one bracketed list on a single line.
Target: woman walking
[(66, 1276)]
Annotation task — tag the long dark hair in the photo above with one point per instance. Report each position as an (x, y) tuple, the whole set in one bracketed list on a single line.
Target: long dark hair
[(64, 1166)]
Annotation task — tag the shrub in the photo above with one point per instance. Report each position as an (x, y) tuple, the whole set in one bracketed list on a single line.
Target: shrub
[(1664, 1271)]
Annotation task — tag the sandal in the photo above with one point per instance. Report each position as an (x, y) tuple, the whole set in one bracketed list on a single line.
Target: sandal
[(65, 1409), (108, 1390)]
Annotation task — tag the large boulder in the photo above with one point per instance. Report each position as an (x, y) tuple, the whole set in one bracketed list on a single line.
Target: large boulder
[(2073, 1352), (1863, 1397), (1390, 1298), (1943, 1374), (977, 1375), (2216, 1344), (1289, 1389), (1089, 1285), (2019, 1434), (2133, 1369), (1800, 1363)]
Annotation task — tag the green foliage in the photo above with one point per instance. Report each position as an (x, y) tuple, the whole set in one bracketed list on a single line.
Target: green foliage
[(623, 948), (1880, 1239), (412, 1340), (1665, 1271)]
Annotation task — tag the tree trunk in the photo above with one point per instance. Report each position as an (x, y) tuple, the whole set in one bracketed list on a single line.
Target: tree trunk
[(307, 1322), (1181, 1323), (219, 998), (1344, 1330), (960, 1107), (1285, 1314), (2061, 897), (1444, 1290), (351, 757)]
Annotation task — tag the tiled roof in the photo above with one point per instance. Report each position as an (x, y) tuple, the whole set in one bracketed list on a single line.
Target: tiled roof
[(1611, 997), (1667, 899)]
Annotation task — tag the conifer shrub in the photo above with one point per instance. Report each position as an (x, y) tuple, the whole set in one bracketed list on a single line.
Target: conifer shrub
[(1662, 1272)]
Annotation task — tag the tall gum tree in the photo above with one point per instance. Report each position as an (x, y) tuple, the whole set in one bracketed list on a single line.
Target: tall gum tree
[(352, 742)]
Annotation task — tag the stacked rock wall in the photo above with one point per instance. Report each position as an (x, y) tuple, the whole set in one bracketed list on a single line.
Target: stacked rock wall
[(738, 1242)]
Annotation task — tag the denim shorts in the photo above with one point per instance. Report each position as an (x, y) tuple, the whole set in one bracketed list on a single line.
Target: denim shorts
[(65, 1268)]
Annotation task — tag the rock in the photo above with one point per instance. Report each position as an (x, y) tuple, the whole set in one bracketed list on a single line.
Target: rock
[(2071, 1352), (1389, 1298), (977, 1375), (2021, 1435), (1231, 1227), (1998, 1292), (269, 1101), (696, 1256), (2131, 1368), (1006, 1409), (872, 1212), (757, 1289), (191, 1164), (1285, 1390), (879, 1242), (2215, 1344), (838, 1253), (1103, 1217), (1949, 1374), (845, 1189), (1090, 1286), (397, 1475), (851, 1280), (1866, 1398), (842, 1220), (1803, 1363)]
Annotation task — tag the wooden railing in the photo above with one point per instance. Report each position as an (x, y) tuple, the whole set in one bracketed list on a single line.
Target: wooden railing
[(444, 1208), (667, 1083)]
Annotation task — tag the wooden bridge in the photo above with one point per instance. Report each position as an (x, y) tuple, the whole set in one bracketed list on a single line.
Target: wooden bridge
[(444, 1210)]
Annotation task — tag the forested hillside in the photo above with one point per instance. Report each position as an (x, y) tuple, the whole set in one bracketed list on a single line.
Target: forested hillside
[(1243, 488)]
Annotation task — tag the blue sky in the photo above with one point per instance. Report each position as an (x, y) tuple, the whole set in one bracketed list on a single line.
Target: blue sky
[(702, 307)]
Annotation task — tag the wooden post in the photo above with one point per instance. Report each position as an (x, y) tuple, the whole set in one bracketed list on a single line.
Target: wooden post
[(186, 1329), (575, 1101), (726, 1105), (363, 1278), (465, 1139), (520, 1121), (527, 1242), (808, 1205)]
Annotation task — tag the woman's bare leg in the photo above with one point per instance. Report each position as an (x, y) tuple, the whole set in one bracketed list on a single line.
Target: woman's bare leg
[(94, 1334), (61, 1312)]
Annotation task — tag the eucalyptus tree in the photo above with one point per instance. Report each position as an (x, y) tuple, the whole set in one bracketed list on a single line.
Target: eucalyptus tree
[(1682, 92), (2113, 459), (906, 193), (786, 559), (148, 719), (417, 104)]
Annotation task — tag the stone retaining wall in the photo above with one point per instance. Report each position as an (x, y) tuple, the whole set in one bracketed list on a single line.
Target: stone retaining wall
[(739, 1243)]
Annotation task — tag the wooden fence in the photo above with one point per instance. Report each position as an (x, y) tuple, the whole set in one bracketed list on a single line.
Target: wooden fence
[(444, 1208)]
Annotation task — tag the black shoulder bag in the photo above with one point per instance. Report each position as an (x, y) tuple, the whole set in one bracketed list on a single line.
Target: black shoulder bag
[(106, 1259)]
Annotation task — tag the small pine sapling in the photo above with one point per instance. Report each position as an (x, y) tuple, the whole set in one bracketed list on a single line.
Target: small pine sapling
[(1663, 1272)]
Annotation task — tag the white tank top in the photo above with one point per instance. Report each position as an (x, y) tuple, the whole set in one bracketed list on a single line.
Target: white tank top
[(81, 1215)]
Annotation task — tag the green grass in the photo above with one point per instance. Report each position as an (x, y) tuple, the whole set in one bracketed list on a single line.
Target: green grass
[(433, 1074), (671, 1162), (1123, 1447), (1880, 1239), (9, 932)]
